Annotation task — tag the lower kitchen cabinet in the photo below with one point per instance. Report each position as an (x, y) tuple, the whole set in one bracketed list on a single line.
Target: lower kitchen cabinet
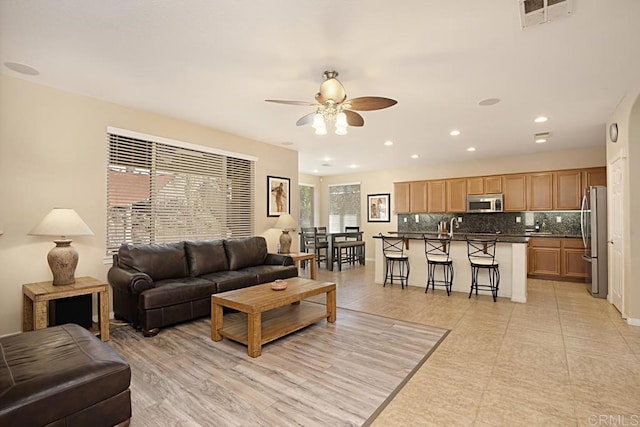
[(544, 256), (557, 258)]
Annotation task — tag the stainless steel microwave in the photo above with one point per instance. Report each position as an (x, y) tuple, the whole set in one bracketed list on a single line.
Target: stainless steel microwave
[(483, 203)]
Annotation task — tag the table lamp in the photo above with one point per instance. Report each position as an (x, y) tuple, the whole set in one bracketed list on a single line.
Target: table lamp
[(63, 258), (286, 223)]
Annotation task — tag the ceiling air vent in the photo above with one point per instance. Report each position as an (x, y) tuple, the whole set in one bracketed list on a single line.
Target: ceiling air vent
[(534, 12)]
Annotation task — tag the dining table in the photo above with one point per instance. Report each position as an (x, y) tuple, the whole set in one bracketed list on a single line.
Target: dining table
[(331, 241)]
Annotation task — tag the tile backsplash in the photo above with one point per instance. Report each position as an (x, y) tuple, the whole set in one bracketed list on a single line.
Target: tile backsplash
[(505, 222)]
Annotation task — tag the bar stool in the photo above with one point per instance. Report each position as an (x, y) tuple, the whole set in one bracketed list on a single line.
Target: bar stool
[(482, 255), (393, 250), (436, 251)]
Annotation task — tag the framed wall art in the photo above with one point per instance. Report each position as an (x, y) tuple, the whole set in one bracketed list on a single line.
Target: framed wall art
[(378, 207), (278, 195)]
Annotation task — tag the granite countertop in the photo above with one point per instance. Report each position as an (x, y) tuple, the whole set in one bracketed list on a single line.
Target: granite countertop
[(504, 238)]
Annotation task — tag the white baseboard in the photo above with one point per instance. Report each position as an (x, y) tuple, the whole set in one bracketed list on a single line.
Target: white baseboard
[(633, 322)]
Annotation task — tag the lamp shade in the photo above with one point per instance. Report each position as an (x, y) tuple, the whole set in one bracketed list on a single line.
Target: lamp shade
[(286, 222), (61, 222)]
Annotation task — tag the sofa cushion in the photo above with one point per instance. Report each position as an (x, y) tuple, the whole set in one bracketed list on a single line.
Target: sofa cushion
[(245, 252), (176, 291), (159, 261), (230, 280), (207, 256), (56, 372), (269, 273)]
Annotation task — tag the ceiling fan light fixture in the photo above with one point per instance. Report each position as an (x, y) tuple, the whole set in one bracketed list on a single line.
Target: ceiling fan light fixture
[(341, 130), (341, 120), (322, 130), (318, 121)]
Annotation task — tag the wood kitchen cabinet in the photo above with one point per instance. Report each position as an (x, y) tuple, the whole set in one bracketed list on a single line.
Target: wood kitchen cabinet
[(457, 195), (515, 192), (492, 184), (475, 185), (594, 176), (437, 202), (573, 266), (545, 256), (401, 197), (540, 191), (567, 191), (418, 197), (557, 258), (484, 185)]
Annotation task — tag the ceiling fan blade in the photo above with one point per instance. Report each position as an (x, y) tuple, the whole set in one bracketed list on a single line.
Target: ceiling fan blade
[(305, 103), (305, 120), (368, 103), (354, 119)]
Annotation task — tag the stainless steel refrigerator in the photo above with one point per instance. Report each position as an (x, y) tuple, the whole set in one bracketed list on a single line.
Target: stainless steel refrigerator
[(593, 224)]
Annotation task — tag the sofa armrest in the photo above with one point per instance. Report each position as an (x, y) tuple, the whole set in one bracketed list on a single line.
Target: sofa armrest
[(278, 259), (130, 281)]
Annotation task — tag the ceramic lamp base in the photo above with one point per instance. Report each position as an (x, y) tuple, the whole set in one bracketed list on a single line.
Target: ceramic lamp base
[(63, 260), (285, 242)]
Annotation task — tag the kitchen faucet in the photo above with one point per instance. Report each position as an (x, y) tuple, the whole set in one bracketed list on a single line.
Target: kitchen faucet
[(454, 220)]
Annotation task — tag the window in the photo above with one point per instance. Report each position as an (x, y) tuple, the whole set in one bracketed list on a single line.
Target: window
[(307, 206), (344, 206), (159, 190)]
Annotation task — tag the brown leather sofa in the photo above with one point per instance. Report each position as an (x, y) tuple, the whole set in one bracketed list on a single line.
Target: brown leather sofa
[(62, 376), (158, 285)]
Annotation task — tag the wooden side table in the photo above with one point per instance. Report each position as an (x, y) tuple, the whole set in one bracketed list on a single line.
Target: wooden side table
[(298, 257), (36, 297)]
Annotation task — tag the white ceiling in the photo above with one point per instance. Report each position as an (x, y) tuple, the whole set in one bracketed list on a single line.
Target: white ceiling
[(215, 62)]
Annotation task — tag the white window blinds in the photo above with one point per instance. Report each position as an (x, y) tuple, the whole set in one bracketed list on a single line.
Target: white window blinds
[(160, 192), (344, 207)]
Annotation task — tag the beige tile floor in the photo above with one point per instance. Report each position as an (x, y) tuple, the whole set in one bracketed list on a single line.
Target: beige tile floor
[(563, 358)]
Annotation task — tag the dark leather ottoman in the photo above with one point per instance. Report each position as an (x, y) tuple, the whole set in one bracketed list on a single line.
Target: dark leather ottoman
[(62, 376)]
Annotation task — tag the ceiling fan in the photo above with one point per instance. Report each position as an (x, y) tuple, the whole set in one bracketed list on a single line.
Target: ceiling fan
[(332, 105)]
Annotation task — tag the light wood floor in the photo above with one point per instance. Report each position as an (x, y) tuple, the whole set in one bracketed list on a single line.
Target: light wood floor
[(328, 374), (563, 358)]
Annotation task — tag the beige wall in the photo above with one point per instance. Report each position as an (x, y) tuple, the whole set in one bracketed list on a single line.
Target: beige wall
[(627, 116), (53, 154), (382, 181)]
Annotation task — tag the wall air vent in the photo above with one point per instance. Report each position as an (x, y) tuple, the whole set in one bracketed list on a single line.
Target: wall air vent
[(534, 12)]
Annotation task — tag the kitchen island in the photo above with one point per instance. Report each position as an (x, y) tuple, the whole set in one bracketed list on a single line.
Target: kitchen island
[(511, 254)]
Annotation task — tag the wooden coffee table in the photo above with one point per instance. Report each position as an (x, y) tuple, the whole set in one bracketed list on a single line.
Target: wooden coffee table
[(281, 317)]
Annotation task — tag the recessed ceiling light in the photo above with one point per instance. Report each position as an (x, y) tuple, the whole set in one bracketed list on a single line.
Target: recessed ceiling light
[(327, 165), (21, 68), (327, 159), (471, 149), (489, 101), (353, 166), (315, 171), (287, 143), (388, 143), (454, 133), (541, 138), (414, 156), (540, 119)]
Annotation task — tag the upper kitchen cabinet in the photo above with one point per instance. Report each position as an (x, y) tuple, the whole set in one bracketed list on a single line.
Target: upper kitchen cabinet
[(401, 197), (492, 184), (484, 185), (437, 196), (475, 185), (515, 192), (540, 191), (567, 193), (410, 197), (418, 196), (457, 195), (594, 176)]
